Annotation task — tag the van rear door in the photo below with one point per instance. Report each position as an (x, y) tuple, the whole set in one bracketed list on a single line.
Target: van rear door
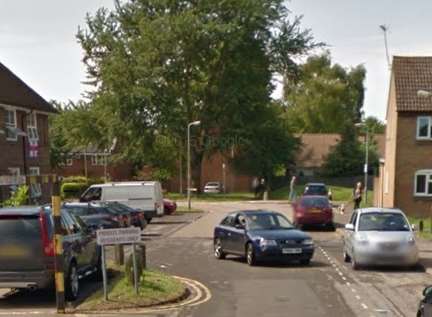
[(21, 246), (135, 196)]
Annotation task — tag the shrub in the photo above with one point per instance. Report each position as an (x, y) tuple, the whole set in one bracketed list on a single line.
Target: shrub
[(19, 197), (73, 190)]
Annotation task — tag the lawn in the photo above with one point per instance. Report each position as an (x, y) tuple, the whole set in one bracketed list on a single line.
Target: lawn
[(155, 288), (181, 210), (427, 231), (236, 196), (340, 193)]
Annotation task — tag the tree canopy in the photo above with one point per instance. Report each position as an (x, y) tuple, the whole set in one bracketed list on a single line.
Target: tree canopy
[(325, 97), (157, 65)]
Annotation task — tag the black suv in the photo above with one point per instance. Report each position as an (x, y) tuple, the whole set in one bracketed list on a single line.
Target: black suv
[(27, 250)]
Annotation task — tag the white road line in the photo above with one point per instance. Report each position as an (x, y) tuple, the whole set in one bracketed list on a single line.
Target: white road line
[(358, 297), (364, 306), (353, 290), (344, 278)]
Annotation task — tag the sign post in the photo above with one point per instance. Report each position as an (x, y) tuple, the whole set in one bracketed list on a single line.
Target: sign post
[(118, 237)]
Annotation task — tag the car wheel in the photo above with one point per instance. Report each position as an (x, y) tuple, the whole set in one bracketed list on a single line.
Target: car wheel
[(331, 226), (72, 283), (305, 262), (346, 257), (149, 220), (218, 252), (355, 266), (250, 254)]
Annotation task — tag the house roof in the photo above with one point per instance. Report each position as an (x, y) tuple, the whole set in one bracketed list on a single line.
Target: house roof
[(316, 146), (15, 92), (412, 74)]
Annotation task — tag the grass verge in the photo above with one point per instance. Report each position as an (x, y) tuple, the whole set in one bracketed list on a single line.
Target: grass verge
[(236, 196), (427, 227), (181, 210), (155, 288)]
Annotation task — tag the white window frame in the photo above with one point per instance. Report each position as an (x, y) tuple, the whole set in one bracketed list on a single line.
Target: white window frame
[(14, 171), (32, 130), (10, 125), (98, 159), (35, 189), (67, 162), (429, 132), (428, 181)]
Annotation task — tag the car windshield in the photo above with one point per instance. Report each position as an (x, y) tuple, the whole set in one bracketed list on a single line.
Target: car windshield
[(316, 190), (315, 202), (79, 211), (379, 221), (261, 221)]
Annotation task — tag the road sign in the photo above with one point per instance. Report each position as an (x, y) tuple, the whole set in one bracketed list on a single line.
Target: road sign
[(118, 236)]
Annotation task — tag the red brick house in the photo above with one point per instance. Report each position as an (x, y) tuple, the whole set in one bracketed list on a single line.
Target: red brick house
[(24, 146), (406, 171)]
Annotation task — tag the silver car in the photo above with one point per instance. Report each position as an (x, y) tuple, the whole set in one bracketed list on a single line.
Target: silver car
[(378, 236)]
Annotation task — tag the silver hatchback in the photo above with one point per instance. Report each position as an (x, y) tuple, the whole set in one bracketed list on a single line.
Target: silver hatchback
[(379, 236)]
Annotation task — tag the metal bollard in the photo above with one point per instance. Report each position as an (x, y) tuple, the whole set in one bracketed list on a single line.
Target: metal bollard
[(421, 226)]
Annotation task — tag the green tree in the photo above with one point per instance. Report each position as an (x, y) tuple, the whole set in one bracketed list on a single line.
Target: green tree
[(347, 157), (375, 125), (325, 96), (157, 65)]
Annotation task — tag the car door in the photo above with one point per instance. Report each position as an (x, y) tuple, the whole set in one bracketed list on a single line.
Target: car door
[(237, 239), (349, 234), (223, 232), (78, 241)]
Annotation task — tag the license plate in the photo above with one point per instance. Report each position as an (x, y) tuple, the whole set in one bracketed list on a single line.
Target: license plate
[(13, 251), (292, 251), (315, 210)]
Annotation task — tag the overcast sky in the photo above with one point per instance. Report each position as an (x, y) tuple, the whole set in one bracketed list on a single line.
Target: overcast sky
[(37, 39)]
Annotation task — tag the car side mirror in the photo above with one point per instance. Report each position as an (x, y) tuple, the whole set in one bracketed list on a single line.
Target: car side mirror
[(413, 227), (427, 291), (349, 226)]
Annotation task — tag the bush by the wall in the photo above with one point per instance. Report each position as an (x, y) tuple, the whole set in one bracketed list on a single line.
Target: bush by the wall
[(73, 190), (20, 197)]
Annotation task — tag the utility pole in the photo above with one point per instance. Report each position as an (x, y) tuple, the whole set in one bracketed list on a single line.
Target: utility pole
[(189, 163), (385, 28)]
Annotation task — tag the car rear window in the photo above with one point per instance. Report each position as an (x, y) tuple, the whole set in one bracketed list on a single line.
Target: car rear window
[(24, 227), (318, 202), (316, 190)]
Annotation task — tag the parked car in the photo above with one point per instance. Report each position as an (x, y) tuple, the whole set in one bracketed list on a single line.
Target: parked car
[(169, 206), (27, 250), (315, 189), (136, 217), (96, 216), (425, 306), (379, 236), (313, 210), (213, 188), (261, 235), (142, 196)]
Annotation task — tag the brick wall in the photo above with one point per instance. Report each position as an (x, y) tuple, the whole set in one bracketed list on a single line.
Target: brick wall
[(411, 155)]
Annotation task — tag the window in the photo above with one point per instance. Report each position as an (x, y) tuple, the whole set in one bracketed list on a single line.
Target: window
[(98, 160), (35, 187), (11, 125), (424, 128), (423, 183), (32, 131), (67, 162), (14, 171)]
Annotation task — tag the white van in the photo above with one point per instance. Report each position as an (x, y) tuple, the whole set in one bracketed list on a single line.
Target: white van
[(144, 196)]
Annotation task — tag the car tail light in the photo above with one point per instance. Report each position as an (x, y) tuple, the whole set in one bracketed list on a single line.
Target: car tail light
[(48, 244)]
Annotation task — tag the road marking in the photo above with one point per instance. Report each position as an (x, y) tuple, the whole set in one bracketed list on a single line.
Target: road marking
[(364, 306), (358, 297)]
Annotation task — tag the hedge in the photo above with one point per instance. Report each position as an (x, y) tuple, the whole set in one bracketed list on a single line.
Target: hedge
[(73, 190)]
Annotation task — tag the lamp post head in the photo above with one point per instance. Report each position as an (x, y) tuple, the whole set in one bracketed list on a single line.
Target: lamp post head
[(424, 94), (195, 123), (359, 124)]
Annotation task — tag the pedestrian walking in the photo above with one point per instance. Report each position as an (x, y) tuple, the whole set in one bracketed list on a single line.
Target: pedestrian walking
[(357, 195), (292, 193)]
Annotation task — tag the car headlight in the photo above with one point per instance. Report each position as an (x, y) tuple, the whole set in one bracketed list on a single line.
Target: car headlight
[(411, 240), (264, 243), (307, 242)]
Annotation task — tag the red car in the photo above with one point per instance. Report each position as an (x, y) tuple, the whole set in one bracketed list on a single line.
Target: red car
[(313, 210), (169, 206)]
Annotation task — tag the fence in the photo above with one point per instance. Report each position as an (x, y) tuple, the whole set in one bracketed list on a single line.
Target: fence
[(40, 187)]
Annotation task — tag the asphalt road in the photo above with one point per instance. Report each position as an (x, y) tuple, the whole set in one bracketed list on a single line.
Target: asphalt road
[(182, 245)]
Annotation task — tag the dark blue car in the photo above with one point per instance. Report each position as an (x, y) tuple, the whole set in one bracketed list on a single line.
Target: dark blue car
[(261, 235)]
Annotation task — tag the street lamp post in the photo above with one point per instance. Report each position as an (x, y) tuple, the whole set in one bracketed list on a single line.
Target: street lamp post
[(366, 165), (195, 123), (224, 177)]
